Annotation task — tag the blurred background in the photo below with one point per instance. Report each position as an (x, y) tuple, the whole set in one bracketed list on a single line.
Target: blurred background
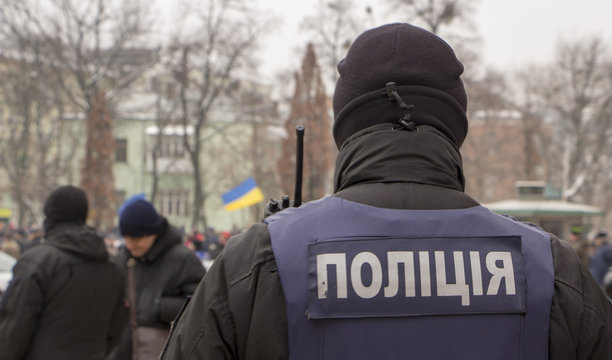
[(179, 102)]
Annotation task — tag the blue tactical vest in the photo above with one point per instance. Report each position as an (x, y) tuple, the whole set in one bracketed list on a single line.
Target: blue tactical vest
[(362, 282)]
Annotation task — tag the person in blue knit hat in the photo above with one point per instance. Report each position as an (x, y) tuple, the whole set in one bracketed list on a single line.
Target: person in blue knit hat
[(140, 224), (161, 274)]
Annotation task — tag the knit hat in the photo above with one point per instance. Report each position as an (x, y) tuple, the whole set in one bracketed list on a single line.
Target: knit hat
[(423, 66), (139, 219), (66, 204)]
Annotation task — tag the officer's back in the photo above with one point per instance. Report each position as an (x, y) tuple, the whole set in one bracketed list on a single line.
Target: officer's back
[(399, 262)]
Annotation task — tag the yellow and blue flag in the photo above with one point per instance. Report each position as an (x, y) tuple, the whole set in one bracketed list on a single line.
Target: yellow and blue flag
[(243, 195)]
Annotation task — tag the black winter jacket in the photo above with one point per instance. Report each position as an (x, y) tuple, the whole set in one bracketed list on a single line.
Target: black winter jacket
[(238, 311), (65, 300), (165, 276)]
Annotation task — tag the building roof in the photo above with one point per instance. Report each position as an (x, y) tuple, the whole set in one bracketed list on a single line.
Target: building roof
[(530, 208)]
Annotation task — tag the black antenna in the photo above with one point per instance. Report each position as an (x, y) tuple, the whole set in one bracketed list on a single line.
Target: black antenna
[(299, 163)]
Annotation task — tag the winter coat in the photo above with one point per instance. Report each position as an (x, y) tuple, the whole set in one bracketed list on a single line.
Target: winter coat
[(65, 300), (238, 311), (164, 277)]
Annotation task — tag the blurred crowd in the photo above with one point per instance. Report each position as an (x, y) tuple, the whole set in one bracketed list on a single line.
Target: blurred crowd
[(14, 241), (595, 252), (206, 244), (144, 271)]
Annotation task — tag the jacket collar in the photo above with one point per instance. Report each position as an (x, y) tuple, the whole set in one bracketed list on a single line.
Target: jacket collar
[(80, 240), (389, 153)]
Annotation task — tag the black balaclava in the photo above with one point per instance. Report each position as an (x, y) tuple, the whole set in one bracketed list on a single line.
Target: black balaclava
[(423, 66)]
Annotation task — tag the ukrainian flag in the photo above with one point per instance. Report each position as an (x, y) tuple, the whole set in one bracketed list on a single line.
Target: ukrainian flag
[(243, 195)]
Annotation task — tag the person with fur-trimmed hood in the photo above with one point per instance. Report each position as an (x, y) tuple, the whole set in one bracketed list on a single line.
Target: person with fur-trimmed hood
[(65, 300), (399, 263)]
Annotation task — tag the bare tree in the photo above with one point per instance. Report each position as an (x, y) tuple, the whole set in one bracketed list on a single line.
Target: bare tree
[(491, 159), (436, 14), (86, 41), (578, 99), (33, 134), (166, 106), (204, 63), (453, 20), (542, 160), (95, 174), (309, 107), (261, 112), (334, 27), (571, 101), (509, 137)]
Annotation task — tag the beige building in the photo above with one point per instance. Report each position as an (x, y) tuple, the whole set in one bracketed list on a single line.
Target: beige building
[(500, 149)]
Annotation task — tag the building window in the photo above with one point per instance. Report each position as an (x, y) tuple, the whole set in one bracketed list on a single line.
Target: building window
[(173, 202), (121, 150), (172, 146)]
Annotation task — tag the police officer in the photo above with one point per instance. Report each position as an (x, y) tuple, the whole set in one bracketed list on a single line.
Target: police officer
[(399, 262)]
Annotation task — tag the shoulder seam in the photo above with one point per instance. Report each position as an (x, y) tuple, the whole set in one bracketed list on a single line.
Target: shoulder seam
[(569, 286), (265, 259)]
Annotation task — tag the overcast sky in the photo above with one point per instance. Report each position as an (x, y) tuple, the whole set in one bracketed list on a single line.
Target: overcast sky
[(514, 32), (528, 30)]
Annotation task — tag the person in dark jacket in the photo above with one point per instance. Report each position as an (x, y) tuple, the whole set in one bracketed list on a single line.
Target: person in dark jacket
[(165, 271), (399, 262), (601, 261), (66, 298)]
